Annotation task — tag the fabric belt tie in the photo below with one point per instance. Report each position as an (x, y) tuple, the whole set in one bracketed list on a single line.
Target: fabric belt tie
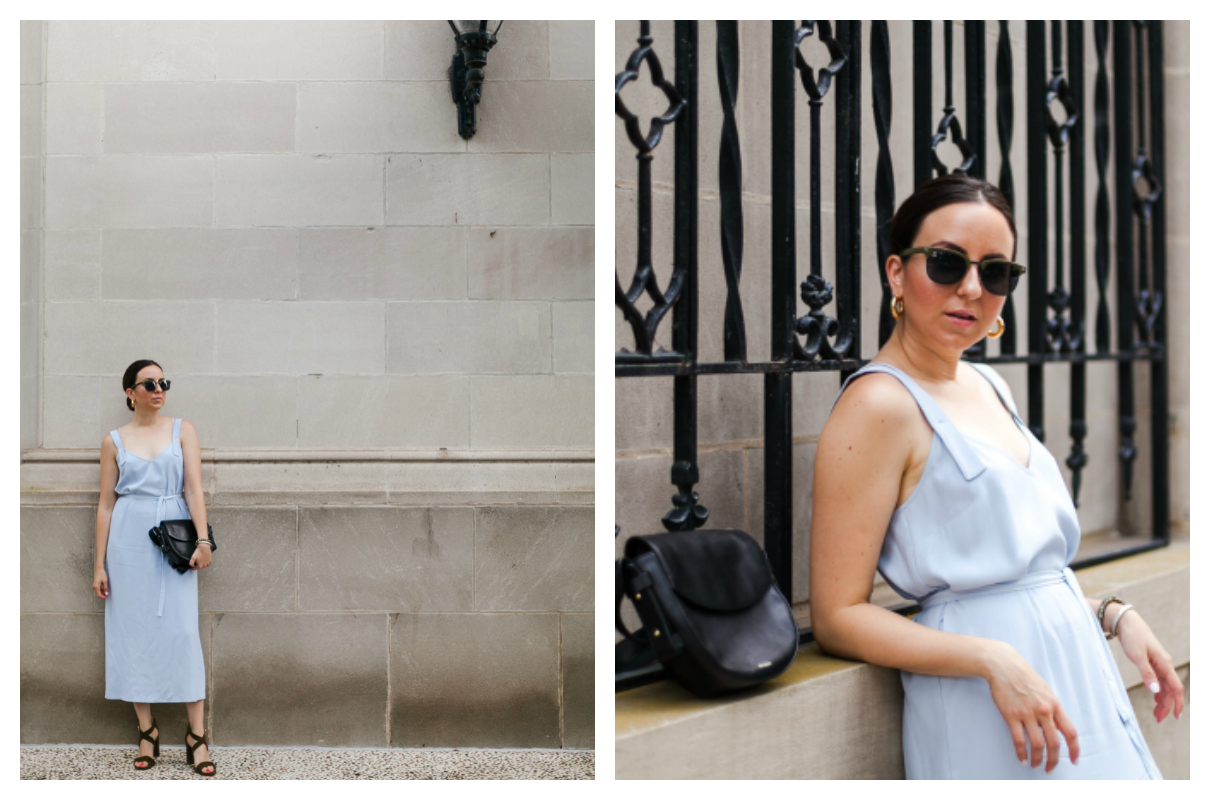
[(1030, 581), (161, 508)]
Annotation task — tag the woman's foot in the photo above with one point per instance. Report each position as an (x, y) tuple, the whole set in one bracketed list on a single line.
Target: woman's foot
[(149, 747), (200, 755)]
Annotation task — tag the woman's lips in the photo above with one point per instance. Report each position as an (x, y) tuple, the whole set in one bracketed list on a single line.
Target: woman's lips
[(960, 318)]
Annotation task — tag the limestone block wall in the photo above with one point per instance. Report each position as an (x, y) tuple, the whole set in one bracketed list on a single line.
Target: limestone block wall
[(731, 407), (383, 334)]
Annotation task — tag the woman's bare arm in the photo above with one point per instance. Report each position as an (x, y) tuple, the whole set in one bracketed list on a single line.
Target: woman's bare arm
[(109, 496), (195, 498), (866, 447)]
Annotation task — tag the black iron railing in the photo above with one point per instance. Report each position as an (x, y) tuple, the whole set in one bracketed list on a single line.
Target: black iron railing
[(827, 337)]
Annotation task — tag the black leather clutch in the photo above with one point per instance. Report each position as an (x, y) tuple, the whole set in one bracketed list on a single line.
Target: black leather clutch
[(710, 608), (177, 539)]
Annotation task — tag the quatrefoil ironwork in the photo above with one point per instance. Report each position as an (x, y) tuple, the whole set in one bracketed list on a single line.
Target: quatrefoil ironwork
[(1060, 132), (817, 87), (951, 128), (676, 103), (1143, 175)]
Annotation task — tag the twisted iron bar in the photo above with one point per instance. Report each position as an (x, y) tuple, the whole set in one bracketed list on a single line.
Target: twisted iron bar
[(730, 183), (645, 281), (1004, 132), (884, 175), (1100, 105)]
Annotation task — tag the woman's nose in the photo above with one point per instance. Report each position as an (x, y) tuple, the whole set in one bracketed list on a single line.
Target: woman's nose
[(971, 286)]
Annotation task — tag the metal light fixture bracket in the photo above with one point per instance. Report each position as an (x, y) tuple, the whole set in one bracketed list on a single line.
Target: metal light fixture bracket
[(466, 73)]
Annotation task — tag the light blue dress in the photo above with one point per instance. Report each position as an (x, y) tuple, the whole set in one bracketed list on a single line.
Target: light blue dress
[(153, 653), (983, 544)]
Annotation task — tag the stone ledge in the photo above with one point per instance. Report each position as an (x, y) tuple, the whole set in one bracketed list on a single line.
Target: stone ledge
[(321, 455), (457, 481), (830, 718)]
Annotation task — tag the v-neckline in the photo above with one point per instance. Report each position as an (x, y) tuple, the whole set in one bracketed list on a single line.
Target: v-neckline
[(1020, 426), (1017, 423), (1028, 443), (167, 447)]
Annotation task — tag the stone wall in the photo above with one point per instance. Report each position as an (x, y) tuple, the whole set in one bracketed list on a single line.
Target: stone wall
[(731, 407), (383, 334)]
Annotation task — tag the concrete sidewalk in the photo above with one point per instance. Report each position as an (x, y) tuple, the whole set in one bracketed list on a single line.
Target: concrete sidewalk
[(99, 762)]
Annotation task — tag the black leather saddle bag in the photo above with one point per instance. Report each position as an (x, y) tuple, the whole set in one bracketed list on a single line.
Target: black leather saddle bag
[(710, 608), (177, 539)]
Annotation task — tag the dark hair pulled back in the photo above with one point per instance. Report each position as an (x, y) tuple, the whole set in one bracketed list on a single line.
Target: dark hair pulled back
[(132, 372), (939, 193)]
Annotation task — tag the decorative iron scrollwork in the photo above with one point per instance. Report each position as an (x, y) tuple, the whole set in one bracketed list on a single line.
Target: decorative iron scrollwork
[(1147, 193), (645, 281), (950, 128), (817, 87), (815, 325)]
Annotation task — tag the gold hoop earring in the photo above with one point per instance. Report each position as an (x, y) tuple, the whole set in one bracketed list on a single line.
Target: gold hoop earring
[(999, 331), (896, 307)]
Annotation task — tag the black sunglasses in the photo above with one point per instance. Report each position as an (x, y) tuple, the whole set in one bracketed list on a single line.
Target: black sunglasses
[(947, 267), (150, 384)]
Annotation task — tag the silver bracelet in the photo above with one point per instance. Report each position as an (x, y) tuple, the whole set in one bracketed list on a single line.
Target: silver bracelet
[(1113, 631), (206, 542)]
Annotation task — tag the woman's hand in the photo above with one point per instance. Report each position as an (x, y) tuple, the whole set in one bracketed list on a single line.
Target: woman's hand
[(1030, 708), (201, 557), (1155, 665), (100, 583)]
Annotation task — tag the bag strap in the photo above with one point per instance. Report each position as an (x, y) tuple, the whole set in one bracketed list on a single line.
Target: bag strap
[(635, 650)]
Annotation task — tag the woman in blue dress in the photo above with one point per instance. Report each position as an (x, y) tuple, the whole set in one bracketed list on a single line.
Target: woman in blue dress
[(150, 472), (925, 472)]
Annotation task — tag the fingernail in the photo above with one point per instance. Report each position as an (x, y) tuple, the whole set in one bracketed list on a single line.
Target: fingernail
[(1154, 686)]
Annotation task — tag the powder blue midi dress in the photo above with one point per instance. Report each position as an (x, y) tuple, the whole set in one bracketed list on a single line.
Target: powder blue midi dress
[(153, 653), (983, 545)]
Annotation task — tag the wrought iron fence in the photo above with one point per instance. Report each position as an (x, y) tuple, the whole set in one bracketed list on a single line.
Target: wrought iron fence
[(827, 337)]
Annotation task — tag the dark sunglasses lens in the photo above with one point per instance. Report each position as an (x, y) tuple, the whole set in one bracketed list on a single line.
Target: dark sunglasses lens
[(998, 277), (945, 268), (165, 385)]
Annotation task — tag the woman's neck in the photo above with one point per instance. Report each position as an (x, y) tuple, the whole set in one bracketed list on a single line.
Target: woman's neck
[(145, 418), (922, 359)]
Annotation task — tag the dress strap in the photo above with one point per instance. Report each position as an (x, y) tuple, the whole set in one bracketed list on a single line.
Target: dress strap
[(999, 385), (176, 436), (117, 440), (969, 462)]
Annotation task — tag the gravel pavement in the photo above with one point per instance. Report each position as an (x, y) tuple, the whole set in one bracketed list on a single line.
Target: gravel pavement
[(99, 762)]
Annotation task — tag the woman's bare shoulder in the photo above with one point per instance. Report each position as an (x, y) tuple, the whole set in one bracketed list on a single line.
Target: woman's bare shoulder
[(108, 446), (188, 432), (876, 397)]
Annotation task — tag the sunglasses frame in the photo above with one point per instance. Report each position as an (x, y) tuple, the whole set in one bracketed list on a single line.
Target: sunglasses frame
[(1017, 269), (164, 384)]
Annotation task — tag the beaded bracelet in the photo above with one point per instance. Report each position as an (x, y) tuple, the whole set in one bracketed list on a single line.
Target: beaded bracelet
[(1101, 612)]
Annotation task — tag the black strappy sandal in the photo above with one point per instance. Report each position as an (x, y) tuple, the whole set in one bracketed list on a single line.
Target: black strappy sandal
[(147, 762), (190, 748)]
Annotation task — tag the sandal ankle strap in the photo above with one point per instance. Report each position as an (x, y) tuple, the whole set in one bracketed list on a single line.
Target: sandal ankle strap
[(204, 739), (146, 734)]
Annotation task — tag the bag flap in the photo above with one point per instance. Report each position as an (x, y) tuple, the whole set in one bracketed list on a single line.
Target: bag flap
[(182, 530), (716, 570)]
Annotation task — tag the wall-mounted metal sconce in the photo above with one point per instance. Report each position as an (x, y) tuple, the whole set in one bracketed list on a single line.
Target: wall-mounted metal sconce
[(474, 37)]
